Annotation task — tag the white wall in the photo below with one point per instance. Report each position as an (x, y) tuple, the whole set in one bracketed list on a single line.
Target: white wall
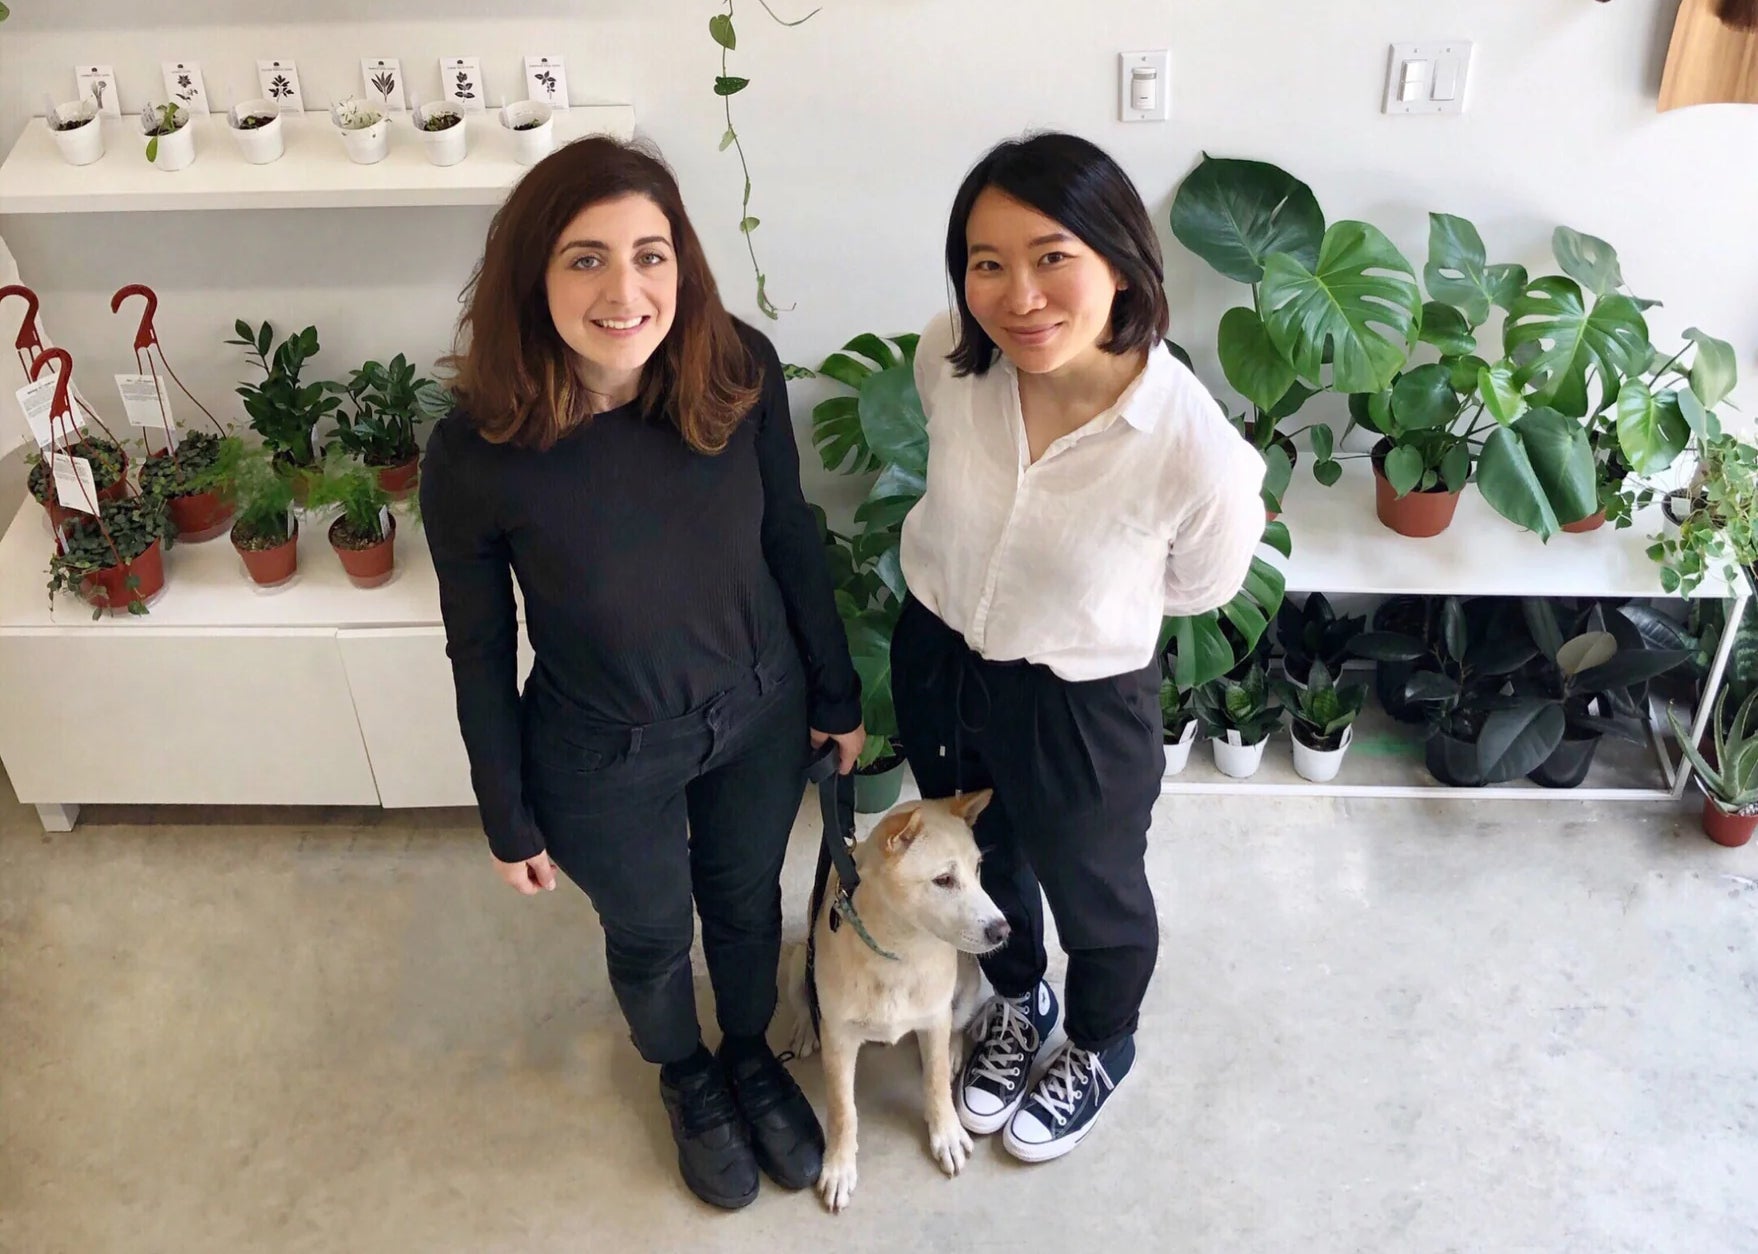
[(859, 125)]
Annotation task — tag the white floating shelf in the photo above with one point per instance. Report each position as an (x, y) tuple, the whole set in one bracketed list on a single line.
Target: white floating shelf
[(314, 172), (1340, 546)]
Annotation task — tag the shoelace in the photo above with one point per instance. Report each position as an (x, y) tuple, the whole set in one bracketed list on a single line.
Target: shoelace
[(763, 1086), (708, 1105), (1006, 1032), (1060, 1089)]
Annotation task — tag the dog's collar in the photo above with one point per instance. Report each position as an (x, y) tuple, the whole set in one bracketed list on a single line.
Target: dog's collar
[(842, 904)]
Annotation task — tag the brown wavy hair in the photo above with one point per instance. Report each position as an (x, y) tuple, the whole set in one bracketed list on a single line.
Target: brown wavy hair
[(511, 371)]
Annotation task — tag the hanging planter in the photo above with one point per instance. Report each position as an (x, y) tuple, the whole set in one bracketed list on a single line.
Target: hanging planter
[(116, 562), (531, 123), (109, 473), (196, 483), (170, 140), (78, 130), (442, 130), (257, 130)]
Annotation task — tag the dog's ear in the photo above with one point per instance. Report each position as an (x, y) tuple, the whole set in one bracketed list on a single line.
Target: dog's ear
[(898, 830), (968, 805)]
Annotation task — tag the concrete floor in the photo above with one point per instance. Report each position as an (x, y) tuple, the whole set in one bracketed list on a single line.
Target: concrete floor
[(1531, 1028)]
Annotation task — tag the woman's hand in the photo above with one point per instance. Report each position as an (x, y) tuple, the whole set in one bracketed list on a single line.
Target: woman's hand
[(848, 745), (529, 876)]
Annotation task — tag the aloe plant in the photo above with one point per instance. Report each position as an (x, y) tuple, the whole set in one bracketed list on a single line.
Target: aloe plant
[(1733, 782), (1243, 705), (1322, 711)]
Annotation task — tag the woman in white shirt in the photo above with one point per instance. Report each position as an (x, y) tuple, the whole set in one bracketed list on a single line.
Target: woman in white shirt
[(1081, 485)]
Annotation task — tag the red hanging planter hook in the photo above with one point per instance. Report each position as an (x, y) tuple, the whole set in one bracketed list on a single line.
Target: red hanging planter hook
[(28, 340), (146, 335), (59, 407)]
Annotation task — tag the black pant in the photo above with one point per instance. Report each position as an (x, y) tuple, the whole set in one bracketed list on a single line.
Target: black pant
[(1076, 768), (613, 803)]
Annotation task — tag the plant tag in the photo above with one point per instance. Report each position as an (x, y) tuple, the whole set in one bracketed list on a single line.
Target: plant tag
[(183, 84), (384, 82), (146, 400), (35, 399), (74, 486), (384, 522), (292, 523), (98, 82), (1233, 738), (462, 77), (279, 81), (546, 79)]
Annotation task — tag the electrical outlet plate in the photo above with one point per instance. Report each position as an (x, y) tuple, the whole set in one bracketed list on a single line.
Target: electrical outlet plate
[(1428, 77), (1160, 62)]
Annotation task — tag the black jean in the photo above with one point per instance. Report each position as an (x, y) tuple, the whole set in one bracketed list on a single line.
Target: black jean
[(1076, 769), (648, 819)]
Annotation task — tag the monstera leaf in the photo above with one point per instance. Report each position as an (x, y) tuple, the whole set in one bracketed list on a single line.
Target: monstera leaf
[(1458, 273), (1358, 309), (1558, 339), (1236, 214)]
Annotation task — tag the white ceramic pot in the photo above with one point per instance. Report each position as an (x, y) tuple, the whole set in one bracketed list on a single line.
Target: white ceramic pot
[(1320, 765), (261, 144), (1237, 760), (1178, 751), (84, 144), (445, 147), (366, 145), (176, 151), (532, 145)]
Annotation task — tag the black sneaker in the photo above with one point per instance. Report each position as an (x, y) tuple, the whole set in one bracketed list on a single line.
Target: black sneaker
[(785, 1134), (714, 1147), (1006, 1039), (1066, 1101)]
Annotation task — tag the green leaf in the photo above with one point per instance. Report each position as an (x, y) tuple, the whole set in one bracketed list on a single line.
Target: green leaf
[(1541, 622), (1278, 473), (1538, 473), (841, 444), (1403, 469), (748, 225), (1202, 652), (1716, 369), (1552, 322), (1463, 372), (1504, 400), (727, 140), (1691, 409), (846, 370), (1334, 311), (1652, 431), (873, 349), (728, 86), (1457, 274), (1588, 260), (1424, 398), (1323, 441), (1445, 327), (1236, 214), (1453, 633), (1327, 472), (1516, 741), (1250, 362), (721, 28), (893, 421), (1296, 396), (1456, 466), (1276, 536), (1585, 651)]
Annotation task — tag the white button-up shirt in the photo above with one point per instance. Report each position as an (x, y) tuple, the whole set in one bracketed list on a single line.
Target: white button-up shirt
[(1152, 508)]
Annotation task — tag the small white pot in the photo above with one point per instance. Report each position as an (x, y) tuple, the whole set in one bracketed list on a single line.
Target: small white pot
[(366, 145), (82, 145), (1178, 751), (176, 150), (533, 145), (1320, 765), (445, 147), (263, 144), (1237, 760)]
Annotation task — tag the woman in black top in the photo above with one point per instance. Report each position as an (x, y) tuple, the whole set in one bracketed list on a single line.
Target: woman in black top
[(623, 447)]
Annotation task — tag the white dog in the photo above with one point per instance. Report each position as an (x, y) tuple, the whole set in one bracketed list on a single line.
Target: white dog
[(919, 899)]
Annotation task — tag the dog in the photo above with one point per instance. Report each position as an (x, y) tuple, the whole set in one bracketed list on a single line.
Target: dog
[(920, 899)]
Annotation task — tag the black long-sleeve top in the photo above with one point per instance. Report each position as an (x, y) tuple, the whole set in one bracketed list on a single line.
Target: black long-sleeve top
[(653, 578)]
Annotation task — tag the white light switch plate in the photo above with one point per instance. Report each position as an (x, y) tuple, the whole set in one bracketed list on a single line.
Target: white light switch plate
[(1428, 77), (1158, 64)]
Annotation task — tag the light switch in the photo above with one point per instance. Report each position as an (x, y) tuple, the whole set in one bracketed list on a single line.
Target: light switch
[(1144, 86), (1428, 77)]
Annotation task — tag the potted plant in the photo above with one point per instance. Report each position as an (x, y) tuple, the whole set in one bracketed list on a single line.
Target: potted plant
[(364, 534), (109, 474), (383, 406), (365, 131), (265, 531), (1314, 633), (1178, 721), (1238, 717), (1730, 787), (1423, 458), (170, 140), (1715, 517), (1322, 716), (284, 411), (195, 481), (256, 129), (531, 123), (78, 130), (116, 561), (442, 131)]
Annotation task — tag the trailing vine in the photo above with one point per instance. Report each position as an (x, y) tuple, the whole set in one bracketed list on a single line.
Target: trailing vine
[(726, 86)]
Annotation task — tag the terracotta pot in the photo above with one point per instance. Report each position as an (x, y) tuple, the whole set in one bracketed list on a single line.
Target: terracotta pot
[(1418, 515), (1593, 522), (399, 481), (270, 568), (1732, 830), (368, 567), (149, 567), (201, 516)]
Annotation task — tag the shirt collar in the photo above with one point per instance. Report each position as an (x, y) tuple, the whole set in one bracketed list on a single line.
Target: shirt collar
[(1143, 401)]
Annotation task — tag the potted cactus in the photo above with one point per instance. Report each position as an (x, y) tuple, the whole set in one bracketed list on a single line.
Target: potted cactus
[(1239, 717), (264, 531), (1730, 787), (1322, 721), (364, 534), (116, 562)]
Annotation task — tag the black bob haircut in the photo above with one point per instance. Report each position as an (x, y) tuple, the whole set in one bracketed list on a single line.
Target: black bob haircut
[(1077, 184)]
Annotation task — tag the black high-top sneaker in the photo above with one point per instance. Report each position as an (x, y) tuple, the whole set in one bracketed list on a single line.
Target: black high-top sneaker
[(1007, 1038), (714, 1146), (1066, 1100)]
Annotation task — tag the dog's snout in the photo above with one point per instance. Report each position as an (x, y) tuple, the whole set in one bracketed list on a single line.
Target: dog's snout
[(997, 931)]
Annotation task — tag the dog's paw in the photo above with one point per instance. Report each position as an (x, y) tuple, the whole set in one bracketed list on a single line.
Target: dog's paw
[(836, 1182), (803, 1041), (951, 1145)]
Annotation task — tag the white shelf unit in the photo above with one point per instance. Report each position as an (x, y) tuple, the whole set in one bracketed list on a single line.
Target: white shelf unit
[(313, 173), (1341, 548)]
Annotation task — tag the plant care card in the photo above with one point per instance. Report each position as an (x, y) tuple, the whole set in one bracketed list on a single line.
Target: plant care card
[(98, 82), (462, 79), (147, 401), (183, 84), (279, 81), (74, 486), (35, 400), (546, 79), (384, 82)]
